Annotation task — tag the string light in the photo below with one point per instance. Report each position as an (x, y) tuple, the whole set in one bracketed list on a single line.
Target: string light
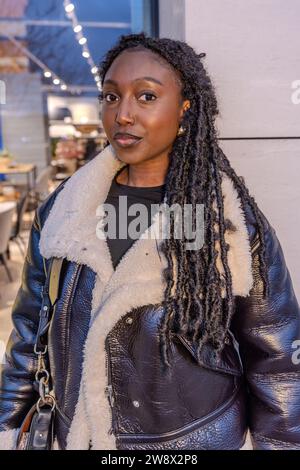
[(82, 40), (69, 7), (46, 71)]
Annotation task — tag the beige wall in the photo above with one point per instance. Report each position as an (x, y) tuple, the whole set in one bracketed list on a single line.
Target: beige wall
[(253, 58)]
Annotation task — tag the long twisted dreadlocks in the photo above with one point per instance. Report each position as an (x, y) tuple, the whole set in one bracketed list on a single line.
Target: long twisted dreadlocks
[(196, 307)]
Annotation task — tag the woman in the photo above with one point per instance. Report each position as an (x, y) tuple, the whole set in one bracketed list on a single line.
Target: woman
[(154, 344)]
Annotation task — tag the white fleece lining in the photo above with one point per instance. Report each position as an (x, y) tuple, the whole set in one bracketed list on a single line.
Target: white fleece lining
[(248, 443), (239, 254), (8, 439), (70, 232)]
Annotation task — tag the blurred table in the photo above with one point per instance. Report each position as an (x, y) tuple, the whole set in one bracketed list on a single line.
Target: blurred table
[(27, 169), (13, 196), (4, 199), (4, 206)]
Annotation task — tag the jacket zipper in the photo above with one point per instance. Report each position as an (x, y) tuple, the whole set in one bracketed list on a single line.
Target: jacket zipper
[(109, 390), (68, 302), (255, 244)]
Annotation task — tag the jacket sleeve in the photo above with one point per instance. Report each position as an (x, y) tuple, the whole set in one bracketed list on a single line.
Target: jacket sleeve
[(17, 393), (268, 332)]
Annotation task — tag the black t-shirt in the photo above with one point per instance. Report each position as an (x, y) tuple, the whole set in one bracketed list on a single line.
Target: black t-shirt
[(141, 195)]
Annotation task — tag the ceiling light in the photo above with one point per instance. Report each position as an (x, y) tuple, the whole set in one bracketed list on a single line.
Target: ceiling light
[(69, 8), (77, 28)]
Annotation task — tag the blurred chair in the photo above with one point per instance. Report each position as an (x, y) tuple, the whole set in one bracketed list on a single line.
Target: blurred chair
[(42, 183), (41, 188), (39, 192), (15, 235), (7, 210)]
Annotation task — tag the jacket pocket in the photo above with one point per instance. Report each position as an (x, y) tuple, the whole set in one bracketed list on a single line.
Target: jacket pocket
[(223, 428), (229, 361)]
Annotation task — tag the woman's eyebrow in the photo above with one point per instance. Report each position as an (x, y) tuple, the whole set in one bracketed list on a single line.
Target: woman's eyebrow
[(148, 79)]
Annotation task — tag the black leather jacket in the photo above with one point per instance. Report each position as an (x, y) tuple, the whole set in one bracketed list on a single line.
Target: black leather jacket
[(198, 406)]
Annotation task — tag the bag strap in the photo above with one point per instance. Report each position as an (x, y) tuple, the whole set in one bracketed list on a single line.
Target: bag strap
[(49, 298), (37, 429)]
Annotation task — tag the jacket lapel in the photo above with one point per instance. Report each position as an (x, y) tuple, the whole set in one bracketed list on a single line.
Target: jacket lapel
[(70, 229)]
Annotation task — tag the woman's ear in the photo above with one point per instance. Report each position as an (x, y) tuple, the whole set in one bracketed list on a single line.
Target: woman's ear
[(184, 107)]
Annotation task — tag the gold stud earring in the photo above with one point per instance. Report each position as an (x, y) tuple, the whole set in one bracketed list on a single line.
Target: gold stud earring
[(181, 130)]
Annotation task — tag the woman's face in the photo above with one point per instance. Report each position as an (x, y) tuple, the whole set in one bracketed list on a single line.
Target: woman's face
[(141, 96)]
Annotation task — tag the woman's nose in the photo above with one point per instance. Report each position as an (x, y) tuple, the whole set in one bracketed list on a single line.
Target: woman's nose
[(124, 114)]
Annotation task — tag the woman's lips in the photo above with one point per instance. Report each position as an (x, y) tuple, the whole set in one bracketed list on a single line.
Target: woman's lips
[(127, 141)]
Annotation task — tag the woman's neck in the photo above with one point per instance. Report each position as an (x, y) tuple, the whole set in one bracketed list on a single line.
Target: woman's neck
[(143, 175)]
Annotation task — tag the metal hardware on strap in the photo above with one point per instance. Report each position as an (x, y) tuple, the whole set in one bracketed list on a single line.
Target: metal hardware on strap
[(37, 430), (42, 375)]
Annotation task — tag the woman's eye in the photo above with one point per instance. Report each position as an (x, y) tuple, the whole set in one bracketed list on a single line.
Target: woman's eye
[(111, 98), (106, 95), (151, 95)]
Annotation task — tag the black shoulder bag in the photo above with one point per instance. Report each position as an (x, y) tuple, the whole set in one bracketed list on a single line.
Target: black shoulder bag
[(37, 429)]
